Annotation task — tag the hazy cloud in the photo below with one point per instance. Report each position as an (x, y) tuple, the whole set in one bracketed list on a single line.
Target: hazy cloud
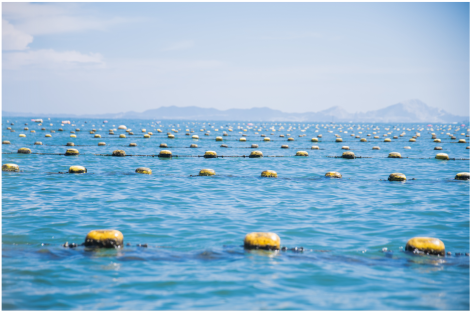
[(14, 39), (181, 45)]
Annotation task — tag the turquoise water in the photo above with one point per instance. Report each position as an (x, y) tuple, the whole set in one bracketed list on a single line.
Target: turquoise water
[(194, 226)]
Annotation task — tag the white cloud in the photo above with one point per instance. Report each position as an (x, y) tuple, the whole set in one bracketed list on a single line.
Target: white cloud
[(181, 45), (51, 59), (14, 39), (53, 18)]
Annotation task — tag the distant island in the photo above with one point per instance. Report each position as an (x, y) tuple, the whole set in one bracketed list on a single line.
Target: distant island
[(410, 111)]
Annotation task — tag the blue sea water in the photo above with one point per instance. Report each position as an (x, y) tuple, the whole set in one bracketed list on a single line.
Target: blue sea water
[(194, 226)]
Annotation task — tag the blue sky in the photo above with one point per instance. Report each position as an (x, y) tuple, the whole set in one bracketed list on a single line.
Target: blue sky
[(294, 57)]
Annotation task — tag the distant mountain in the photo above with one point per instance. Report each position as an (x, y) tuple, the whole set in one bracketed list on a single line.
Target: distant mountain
[(410, 111)]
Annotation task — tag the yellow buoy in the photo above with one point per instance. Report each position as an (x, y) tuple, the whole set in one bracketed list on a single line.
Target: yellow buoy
[(119, 153), (210, 154), (319, 136), (339, 140), (281, 136), (315, 148), (133, 144), (102, 144), (223, 146), (333, 175), (163, 145), (38, 143), (47, 135), (24, 151), (438, 148), (207, 172), (265, 241), (6, 142), (302, 153), (171, 136), (376, 137), (462, 176), (104, 238), (442, 156), (146, 136), (376, 148), (91, 132), (165, 154), (77, 169), (395, 137), (290, 139), (195, 137), (73, 136), (194, 145), (314, 140), (462, 141), (345, 148), (284, 147), (143, 170), (437, 140), (387, 140), (254, 146), (363, 140), (72, 152), (427, 245), (10, 167), (269, 173), (267, 139), (122, 136), (348, 155), (32, 131), (256, 154), (412, 140), (70, 144), (98, 136), (397, 177), (394, 155), (218, 138), (242, 139), (22, 135)]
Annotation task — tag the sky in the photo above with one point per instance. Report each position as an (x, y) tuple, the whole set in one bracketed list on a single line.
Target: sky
[(86, 58)]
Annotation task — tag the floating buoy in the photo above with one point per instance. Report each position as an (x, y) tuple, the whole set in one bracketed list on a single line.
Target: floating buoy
[(122, 136), (269, 173), (315, 148), (102, 144), (143, 170), (207, 172), (284, 147), (223, 146), (363, 140), (437, 140), (26, 128), (254, 146), (333, 175), (412, 140), (32, 131), (10, 167), (432, 246), (387, 140), (462, 176), (302, 153), (314, 140), (194, 145), (133, 144), (163, 145), (195, 137), (165, 154), (210, 154), (376, 148), (73, 136), (394, 155), (91, 132), (395, 137), (98, 136), (442, 156), (319, 136), (242, 139), (397, 177), (348, 155), (104, 238), (267, 139), (122, 127), (171, 136), (72, 152), (22, 135), (150, 133), (376, 137), (159, 130), (119, 153), (146, 136), (282, 136), (218, 138), (6, 142), (38, 143), (339, 140), (290, 139), (345, 148), (265, 241), (77, 169), (462, 141), (468, 147), (47, 135), (24, 151), (256, 154), (143, 130)]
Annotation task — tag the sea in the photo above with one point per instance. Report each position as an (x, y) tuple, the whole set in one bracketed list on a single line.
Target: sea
[(184, 233)]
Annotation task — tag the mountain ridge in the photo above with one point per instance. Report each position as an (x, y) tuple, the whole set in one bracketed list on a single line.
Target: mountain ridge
[(407, 111)]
